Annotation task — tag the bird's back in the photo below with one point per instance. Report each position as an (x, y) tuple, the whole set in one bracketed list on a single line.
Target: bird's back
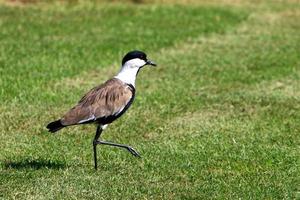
[(102, 104)]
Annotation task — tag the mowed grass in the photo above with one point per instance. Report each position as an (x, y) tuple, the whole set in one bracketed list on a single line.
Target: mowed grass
[(218, 119)]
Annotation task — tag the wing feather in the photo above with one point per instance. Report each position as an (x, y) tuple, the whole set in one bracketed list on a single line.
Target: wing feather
[(104, 101)]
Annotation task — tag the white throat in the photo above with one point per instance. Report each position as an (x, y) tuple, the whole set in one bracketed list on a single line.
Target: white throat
[(129, 71), (128, 75)]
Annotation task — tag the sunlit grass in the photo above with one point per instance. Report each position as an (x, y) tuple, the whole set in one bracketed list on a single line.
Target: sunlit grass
[(218, 118)]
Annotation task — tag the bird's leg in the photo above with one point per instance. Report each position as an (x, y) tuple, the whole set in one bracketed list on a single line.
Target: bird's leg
[(130, 149), (98, 133), (97, 141)]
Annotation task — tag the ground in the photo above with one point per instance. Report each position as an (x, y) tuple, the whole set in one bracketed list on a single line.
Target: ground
[(217, 119)]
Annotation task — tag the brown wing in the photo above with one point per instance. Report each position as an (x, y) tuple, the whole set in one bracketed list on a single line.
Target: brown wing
[(106, 100)]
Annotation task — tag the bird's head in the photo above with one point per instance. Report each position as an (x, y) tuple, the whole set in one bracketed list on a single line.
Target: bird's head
[(136, 59)]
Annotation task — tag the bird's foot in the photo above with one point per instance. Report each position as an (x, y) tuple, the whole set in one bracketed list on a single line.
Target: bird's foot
[(133, 152)]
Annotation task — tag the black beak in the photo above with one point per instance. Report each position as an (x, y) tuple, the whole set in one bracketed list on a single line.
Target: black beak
[(149, 62)]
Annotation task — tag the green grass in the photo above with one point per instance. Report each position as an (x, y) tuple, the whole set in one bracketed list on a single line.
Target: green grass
[(218, 119)]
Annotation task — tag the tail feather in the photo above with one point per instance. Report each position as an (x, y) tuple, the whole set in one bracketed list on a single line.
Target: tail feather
[(55, 126)]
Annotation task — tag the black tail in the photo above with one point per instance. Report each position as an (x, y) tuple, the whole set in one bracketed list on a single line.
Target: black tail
[(54, 126)]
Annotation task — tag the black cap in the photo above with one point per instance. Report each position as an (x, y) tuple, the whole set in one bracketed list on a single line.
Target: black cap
[(134, 54)]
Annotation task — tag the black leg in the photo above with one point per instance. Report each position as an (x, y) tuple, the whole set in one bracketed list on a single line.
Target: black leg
[(96, 141), (130, 149), (98, 133)]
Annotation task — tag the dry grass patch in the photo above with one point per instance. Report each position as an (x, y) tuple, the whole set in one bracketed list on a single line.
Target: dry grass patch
[(89, 78), (251, 3), (195, 123), (284, 88)]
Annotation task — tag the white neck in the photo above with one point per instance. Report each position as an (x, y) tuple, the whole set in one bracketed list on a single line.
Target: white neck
[(128, 74)]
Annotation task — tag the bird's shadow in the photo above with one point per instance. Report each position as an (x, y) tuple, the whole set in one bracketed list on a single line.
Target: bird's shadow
[(34, 164)]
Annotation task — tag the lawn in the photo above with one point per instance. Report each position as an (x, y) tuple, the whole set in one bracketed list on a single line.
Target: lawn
[(219, 118)]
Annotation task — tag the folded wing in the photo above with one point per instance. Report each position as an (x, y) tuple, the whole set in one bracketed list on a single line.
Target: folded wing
[(103, 104)]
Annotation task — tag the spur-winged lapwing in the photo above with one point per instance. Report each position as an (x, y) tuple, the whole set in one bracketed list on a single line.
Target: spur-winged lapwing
[(106, 102)]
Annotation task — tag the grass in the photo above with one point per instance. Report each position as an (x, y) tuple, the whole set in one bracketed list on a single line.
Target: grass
[(218, 119)]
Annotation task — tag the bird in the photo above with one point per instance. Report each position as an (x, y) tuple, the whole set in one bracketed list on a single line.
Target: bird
[(106, 102)]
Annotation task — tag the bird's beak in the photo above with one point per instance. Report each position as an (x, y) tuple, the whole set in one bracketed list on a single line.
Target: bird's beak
[(149, 62)]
